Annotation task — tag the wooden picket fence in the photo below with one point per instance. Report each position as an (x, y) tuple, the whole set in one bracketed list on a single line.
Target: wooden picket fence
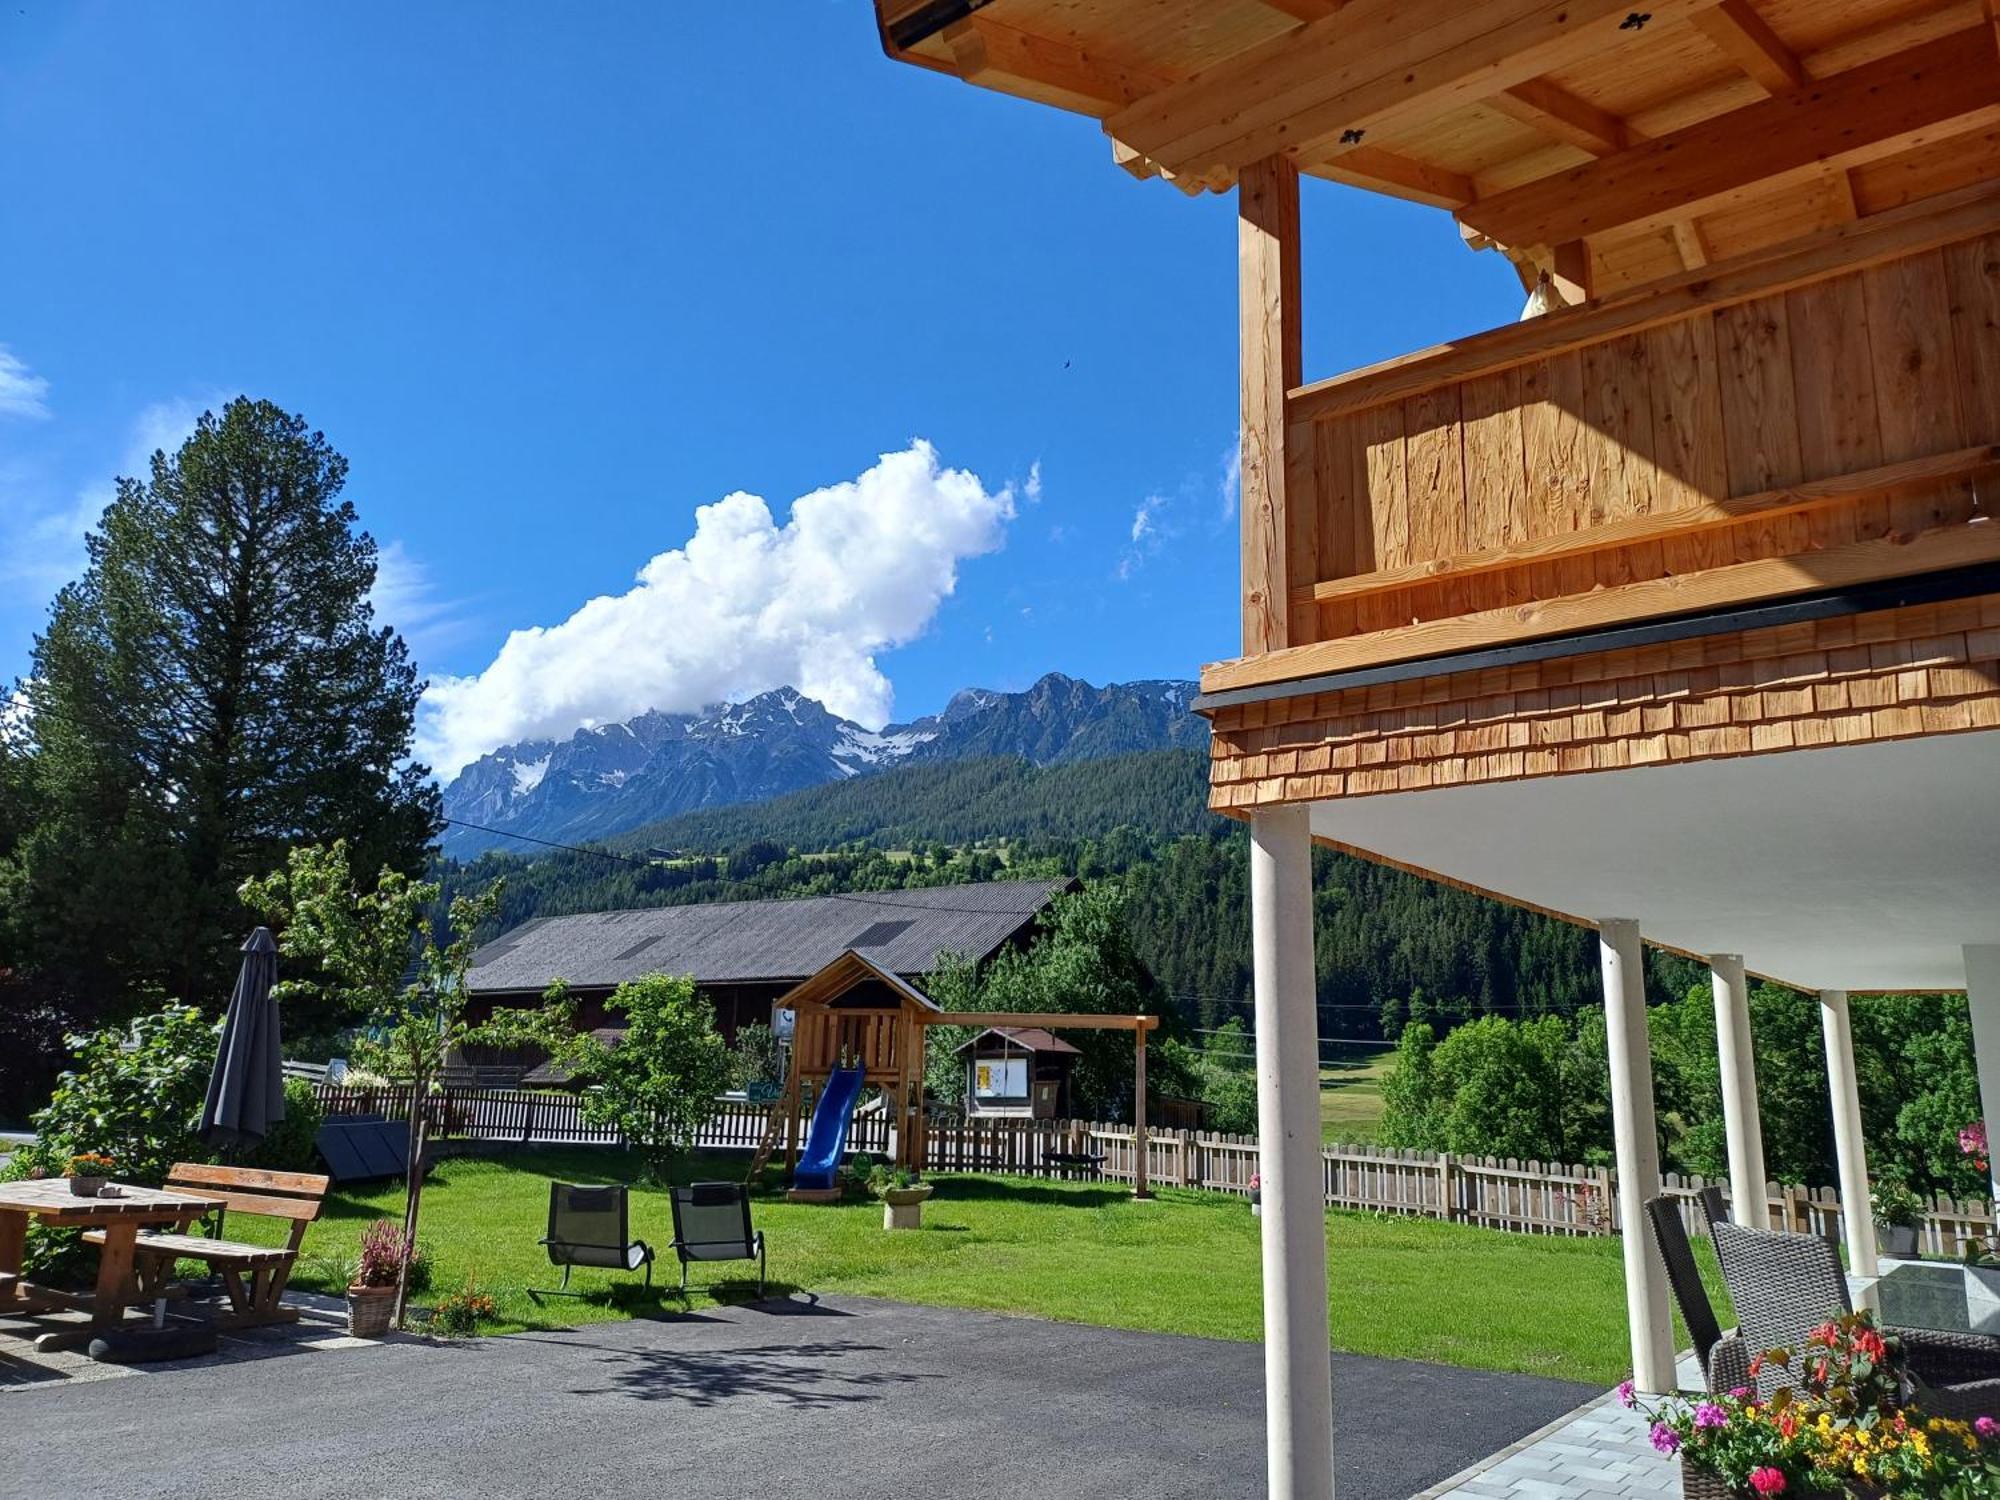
[(1525, 1197)]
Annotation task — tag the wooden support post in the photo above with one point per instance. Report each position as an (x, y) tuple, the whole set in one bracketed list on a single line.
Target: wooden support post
[(1140, 1189), (1267, 208)]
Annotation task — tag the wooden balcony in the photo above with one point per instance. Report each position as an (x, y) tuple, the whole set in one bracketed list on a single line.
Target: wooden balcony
[(1811, 418)]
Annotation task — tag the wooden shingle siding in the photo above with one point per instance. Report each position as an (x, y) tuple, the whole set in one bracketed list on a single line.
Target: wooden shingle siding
[(1925, 669)]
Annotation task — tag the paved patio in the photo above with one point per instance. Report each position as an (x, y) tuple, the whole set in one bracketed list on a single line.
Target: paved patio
[(846, 1398)]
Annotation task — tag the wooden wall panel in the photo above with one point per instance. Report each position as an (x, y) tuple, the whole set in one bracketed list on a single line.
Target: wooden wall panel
[(1430, 506), (1691, 466), (1434, 453), (1496, 481), (1972, 275), (1909, 329), (1834, 392)]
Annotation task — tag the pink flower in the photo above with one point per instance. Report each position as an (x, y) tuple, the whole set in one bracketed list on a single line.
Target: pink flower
[(1740, 1393), (1666, 1439), (1625, 1393), (1767, 1481), (1708, 1414), (1986, 1427)]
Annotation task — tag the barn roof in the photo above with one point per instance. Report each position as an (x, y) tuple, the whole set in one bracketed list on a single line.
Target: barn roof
[(752, 942)]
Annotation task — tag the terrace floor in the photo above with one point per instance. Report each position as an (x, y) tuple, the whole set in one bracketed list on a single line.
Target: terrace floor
[(846, 1397)]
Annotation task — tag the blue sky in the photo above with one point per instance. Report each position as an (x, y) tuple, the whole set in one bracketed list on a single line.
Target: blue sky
[(554, 278)]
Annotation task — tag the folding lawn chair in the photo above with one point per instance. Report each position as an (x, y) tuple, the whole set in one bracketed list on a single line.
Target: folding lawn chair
[(587, 1228), (712, 1222)]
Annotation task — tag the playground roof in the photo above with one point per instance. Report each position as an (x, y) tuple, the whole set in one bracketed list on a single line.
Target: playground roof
[(761, 942)]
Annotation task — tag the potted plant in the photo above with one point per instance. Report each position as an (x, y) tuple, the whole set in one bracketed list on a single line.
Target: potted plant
[(371, 1296), (1256, 1195), (902, 1193), (88, 1172), (1840, 1427), (1898, 1212)]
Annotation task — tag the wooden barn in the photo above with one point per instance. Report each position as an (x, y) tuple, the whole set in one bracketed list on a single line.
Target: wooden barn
[(1671, 609)]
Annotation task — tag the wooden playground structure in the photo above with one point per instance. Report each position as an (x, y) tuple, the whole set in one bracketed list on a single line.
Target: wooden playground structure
[(854, 1014)]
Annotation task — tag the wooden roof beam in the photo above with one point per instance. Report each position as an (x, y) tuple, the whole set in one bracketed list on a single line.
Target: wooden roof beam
[(1559, 114), (1306, 10), (1321, 89), (1927, 93), (1369, 167), (989, 52), (1750, 43)]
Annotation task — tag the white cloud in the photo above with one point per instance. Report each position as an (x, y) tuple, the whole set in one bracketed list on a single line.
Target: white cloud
[(23, 393), (743, 606), (41, 536), (1148, 532), (1032, 490), (406, 596), (1231, 486)]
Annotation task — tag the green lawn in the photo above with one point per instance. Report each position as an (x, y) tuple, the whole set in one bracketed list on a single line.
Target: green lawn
[(1350, 1095), (1186, 1263)]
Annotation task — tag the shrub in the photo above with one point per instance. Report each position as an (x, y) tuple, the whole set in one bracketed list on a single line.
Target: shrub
[(135, 1094), (460, 1313), (289, 1147)]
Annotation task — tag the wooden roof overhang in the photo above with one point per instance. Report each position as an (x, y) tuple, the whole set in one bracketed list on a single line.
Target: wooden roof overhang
[(1613, 141)]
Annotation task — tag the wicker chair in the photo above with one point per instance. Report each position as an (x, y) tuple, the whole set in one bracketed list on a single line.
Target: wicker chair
[(1725, 1361), (1786, 1285)]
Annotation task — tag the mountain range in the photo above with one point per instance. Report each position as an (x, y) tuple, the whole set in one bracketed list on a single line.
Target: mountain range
[(608, 779)]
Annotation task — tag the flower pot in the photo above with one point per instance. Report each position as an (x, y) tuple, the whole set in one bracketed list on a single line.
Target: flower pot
[(87, 1187), (1899, 1240), (369, 1309), (1256, 1203), (903, 1208), (1705, 1484)]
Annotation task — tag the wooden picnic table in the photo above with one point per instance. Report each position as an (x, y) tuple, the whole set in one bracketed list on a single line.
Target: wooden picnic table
[(120, 1218)]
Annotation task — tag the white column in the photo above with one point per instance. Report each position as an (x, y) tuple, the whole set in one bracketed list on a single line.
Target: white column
[(1856, 1215), (1740, 1120), (1298, 1377), (1982, 994), (1636, 1142)]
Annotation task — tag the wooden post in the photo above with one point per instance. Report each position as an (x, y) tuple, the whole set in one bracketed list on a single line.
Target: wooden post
[(1140, 1189), (1267, 240)]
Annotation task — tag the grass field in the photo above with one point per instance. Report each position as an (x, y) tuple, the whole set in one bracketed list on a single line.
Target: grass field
[(1085, 1253), (1350, 1094)]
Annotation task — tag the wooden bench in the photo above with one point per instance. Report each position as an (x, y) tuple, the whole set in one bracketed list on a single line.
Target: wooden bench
[(253, 1275)]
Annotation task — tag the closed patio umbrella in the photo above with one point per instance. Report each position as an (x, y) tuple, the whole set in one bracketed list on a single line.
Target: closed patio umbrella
[(246, 1093)]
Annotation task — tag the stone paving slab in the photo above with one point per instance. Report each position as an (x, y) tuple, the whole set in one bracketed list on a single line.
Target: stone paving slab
[(322, 1326)]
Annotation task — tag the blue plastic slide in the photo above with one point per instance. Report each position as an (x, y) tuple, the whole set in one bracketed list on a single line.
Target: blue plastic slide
[(827, 1139)]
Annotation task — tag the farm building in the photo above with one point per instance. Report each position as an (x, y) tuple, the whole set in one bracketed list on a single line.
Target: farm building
[(745, 954)]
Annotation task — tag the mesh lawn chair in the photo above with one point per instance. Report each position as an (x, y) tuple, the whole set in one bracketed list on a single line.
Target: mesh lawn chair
[(1725, 1361), (712, 1222), (587, 1228), (1785, 1285)]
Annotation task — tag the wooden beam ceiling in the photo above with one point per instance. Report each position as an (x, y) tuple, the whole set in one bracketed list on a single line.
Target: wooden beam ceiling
[(1560, 115), (986, 51), (1367, 167), (1752, 45), (1926, 93), (1306, 10), (1320, 90)]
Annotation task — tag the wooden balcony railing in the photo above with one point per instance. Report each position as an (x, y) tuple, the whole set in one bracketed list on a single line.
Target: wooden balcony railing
[(1804, 419)]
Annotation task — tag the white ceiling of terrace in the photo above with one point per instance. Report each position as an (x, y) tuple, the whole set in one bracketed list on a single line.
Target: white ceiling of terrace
[(1860, 868)]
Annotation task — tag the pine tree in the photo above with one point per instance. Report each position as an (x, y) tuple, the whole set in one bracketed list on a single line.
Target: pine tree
[(212, 690)]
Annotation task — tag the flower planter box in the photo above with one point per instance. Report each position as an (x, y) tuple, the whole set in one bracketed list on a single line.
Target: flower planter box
[(1704, 1484), (1899, 1240), (903, 1208), (87, 1187), (369, 1309)]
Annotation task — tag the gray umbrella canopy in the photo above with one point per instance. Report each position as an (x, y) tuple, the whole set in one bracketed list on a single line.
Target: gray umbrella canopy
[(246, 1093)]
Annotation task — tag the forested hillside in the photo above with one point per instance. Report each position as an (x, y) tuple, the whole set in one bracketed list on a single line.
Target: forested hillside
[(1390, 946)]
